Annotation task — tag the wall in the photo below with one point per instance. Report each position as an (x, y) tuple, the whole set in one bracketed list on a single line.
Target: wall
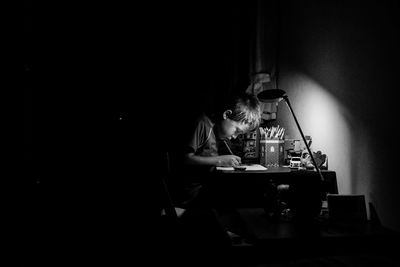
[(339, 65)]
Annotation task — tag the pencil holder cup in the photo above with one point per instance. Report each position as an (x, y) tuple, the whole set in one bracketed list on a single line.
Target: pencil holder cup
[(272, 152)]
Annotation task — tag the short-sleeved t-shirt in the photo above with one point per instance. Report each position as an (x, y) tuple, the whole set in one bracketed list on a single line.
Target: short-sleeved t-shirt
[(203, 141)]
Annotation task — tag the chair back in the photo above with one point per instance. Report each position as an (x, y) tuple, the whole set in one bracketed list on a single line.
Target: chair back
[(166, 200)]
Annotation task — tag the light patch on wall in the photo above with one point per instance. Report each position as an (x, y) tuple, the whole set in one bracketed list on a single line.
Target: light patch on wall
[(321, 116)]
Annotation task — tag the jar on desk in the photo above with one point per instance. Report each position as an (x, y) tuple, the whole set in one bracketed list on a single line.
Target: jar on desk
[(272, 152)]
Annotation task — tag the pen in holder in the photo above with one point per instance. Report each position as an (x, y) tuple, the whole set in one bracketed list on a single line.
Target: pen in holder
[(272, 147)]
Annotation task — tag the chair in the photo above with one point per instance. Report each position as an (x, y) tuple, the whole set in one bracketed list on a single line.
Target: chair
[(167, 205), (194, 230)]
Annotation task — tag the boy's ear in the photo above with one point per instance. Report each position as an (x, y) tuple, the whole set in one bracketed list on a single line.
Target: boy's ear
[(227, 114)]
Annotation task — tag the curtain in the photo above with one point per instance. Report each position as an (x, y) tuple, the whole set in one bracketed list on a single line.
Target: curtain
[(264, 53)]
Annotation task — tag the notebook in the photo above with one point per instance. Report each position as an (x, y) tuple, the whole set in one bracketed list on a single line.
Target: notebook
[(250, 167)]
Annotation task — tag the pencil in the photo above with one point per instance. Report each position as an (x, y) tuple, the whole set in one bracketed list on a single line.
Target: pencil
[(229, 149)]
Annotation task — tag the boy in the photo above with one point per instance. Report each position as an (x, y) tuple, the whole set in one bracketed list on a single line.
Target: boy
[(207, 148), (206, 145)]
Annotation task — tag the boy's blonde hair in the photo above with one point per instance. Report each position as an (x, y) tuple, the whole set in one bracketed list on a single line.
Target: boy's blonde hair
[(246, 109)]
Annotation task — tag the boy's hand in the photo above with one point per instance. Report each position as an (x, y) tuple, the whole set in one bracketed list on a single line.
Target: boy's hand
[(229, 161)]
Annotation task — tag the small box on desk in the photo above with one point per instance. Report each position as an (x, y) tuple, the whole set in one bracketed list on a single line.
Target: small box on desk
[(272, 152), (347, 208)]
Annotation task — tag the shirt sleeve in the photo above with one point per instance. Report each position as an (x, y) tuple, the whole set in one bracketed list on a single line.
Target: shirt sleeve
[(198, 138)]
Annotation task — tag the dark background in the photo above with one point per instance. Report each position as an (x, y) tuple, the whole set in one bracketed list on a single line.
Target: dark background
[(109, 82), (107, 88)]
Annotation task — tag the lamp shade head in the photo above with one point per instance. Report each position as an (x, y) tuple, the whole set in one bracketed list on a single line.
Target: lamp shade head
[(271, 95)]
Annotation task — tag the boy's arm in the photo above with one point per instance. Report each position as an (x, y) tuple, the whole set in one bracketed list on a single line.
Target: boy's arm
[(223, 160)]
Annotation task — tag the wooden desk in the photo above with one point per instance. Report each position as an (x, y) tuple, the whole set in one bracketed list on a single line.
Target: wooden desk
[(287, 241), (254, 188), (279, 175), (276, 241)]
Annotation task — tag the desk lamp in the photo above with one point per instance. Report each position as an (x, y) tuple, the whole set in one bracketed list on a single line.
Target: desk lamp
[(276, 95)]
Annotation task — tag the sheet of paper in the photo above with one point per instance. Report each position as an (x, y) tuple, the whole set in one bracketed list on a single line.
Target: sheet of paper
[(252, 167)]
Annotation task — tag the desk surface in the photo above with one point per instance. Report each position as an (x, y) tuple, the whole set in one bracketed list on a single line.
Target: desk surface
[(268, 170), (274, 170)]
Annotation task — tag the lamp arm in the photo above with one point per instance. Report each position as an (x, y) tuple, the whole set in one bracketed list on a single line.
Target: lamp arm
[(285, 97)]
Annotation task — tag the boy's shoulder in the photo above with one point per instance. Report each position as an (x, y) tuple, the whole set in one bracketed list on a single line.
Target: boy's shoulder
[(204, 119)]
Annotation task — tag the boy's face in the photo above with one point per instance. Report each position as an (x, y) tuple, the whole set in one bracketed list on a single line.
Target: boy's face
[(230, 128)]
